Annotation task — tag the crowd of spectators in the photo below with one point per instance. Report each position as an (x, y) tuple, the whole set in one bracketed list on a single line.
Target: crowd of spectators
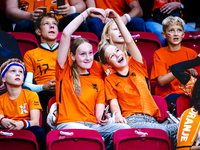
[(50, 70)]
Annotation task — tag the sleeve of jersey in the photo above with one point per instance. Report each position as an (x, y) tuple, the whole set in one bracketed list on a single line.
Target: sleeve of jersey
[(158, 67), (110, 91), (28, 61), (140, 67), (34, 101), (59, 70), (101, 94)]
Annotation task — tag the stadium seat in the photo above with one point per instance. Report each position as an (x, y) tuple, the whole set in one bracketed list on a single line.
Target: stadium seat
[(147, 43), (192, 40), (87, 35), (141, 139), (51, 101), (26, 41), (162, 105), (17, 140), (74, 139), (182, 103)]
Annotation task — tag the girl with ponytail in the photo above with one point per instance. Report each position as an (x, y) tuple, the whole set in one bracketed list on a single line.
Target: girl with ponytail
[(80, 96)]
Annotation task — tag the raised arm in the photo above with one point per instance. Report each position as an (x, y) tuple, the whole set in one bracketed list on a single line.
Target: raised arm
[(133, 49), (69, 30)]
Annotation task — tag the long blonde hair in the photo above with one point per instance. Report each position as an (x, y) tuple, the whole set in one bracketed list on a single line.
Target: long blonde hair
[(104, 41), (75, 73)]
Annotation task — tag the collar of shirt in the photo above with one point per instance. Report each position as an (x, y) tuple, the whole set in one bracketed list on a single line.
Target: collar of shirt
[(46, 46)]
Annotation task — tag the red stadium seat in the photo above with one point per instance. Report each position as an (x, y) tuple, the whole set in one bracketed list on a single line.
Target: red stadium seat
[(26, 41), (74, 139), (192, 40), (17, 140), (182, 103), (141, 139), (51, 101), (162, 105)]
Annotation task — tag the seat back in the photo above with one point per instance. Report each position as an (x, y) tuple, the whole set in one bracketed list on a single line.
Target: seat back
[(192, 40), (26, 41), (87, 35), (17, 140), (147, 43), (141, 139), (182, 103), (162, 105), (51, 101), (74, 139)]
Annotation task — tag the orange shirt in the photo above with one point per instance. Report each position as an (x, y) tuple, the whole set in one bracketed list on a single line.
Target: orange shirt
[(119, 6), (20, 107), (132, 91), (102, 70), (163, 59), (42, 63), (71, 108), (31, 5)]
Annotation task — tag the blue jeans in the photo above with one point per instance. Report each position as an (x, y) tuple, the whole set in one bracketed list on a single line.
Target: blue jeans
[(171, 98), (40, 136), (157, 28), (28, 25), (96, 25), (106, 131)]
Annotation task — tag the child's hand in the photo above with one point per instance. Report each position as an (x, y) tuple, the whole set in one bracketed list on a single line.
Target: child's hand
[(111, 13), (104, 122), (19, 125), (8, 123), (50, 85), (120, 119), (97, 11), (193, 72)]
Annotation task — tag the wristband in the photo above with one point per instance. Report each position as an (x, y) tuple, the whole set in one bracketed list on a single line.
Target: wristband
[(26, 123), (87, 12), (1, 120), (128, 17), (74, 9)]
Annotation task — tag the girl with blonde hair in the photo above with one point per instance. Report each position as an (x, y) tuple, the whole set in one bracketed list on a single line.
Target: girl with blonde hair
[(80, 96)]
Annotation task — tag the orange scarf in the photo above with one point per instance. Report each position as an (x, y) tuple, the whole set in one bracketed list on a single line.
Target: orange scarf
[(188, 129)]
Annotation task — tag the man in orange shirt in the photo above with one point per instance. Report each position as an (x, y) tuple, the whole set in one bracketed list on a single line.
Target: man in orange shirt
[(26, 12), (129, 10), (168, 85)]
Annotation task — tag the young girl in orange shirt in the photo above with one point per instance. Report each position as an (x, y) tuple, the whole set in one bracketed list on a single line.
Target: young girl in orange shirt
[(126, 90), (80, 96)]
